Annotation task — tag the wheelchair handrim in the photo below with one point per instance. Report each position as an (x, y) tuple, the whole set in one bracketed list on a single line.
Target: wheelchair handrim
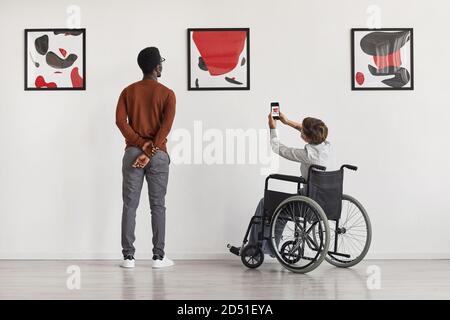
[(321, 221)]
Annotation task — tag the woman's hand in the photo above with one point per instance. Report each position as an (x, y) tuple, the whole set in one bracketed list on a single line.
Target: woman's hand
[(272, 122), (283, 118)]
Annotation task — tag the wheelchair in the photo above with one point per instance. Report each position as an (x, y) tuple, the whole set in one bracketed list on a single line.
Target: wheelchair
[(317, 223)]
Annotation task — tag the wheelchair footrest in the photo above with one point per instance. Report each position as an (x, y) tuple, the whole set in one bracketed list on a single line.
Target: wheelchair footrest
[(332, 253), (234, 250)]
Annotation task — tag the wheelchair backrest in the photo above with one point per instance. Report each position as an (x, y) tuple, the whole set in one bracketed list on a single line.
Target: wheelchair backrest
[(326, 187)]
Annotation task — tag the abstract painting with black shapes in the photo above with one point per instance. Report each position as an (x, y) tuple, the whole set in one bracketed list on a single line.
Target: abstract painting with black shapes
[(55, 59), (382, 59), (218, 59)]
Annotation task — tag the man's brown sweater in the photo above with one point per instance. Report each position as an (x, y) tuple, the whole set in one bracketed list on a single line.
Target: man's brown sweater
[(150, 109)]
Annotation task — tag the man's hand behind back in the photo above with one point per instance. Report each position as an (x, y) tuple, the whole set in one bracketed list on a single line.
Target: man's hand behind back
[(141, 161), (149, 151)]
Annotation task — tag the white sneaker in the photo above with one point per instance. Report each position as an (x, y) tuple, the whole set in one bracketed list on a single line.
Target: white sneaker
[(128, 262), (165, 262)]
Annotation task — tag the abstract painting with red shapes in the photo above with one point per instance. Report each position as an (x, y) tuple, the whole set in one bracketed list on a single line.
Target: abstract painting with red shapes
[(219, 59), (55, 59), (382, 59)]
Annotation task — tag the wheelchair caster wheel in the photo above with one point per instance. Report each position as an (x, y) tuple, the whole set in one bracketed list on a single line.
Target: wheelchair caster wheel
[(252, 256), (290, 253)]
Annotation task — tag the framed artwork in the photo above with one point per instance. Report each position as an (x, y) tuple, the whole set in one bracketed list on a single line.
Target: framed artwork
[(55, 59), (382, 59), (219, 59)]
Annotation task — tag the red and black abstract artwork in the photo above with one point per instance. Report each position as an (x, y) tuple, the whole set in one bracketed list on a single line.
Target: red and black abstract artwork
[(219, 59), (382, 59), (55, 59)]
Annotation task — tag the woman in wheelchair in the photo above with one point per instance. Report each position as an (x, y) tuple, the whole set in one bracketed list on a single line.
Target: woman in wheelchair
[(297, 225), (316, 151)]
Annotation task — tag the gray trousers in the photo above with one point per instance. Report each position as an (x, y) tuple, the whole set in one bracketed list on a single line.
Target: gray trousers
[(156, 172), (256, 229)]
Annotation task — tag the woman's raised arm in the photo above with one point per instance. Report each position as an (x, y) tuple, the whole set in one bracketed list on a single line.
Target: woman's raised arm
[(290, 123)]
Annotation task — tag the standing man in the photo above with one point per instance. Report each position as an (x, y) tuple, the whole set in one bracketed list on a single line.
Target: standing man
[(144, 115)]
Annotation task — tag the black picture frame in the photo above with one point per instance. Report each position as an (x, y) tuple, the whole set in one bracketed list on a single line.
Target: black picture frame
[(352, 41), (193, 88), (26, 57)]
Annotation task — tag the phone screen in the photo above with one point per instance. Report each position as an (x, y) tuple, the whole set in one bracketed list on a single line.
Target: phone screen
[(275, 109)]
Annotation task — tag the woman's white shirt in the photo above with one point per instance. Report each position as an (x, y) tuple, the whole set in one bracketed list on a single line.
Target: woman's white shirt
[(320, 154)]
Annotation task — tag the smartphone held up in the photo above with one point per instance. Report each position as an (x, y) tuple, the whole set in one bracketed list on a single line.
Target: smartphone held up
[(275, 110)]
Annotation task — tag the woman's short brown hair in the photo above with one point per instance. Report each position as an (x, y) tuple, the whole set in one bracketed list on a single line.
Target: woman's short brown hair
[(315, 130)]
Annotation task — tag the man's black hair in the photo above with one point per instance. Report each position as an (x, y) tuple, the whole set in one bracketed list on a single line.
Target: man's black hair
[(148, 59)]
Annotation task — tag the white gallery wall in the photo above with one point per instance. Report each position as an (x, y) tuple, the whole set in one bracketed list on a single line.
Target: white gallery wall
[(60, 172)]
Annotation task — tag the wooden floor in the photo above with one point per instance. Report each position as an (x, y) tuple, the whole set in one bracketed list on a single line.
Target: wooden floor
[(228, 279)]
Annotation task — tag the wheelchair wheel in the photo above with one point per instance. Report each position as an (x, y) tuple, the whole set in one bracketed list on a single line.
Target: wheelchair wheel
[(353, 234), (289, 253), (252, 256), (292, 234)]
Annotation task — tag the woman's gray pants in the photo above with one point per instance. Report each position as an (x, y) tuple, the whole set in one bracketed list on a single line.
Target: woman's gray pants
[(256, 229)]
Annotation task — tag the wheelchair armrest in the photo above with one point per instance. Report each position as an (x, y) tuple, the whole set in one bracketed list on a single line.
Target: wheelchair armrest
[(299, 180)]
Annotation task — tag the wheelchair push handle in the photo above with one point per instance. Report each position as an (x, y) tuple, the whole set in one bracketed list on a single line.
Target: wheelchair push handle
[(315, 167), (349, 166)]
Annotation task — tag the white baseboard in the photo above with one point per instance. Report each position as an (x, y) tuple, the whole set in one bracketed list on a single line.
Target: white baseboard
[(408, 256), (196, 256), (110, 256)]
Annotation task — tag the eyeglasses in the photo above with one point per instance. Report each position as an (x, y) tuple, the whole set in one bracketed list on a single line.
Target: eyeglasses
[(162, 59)]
